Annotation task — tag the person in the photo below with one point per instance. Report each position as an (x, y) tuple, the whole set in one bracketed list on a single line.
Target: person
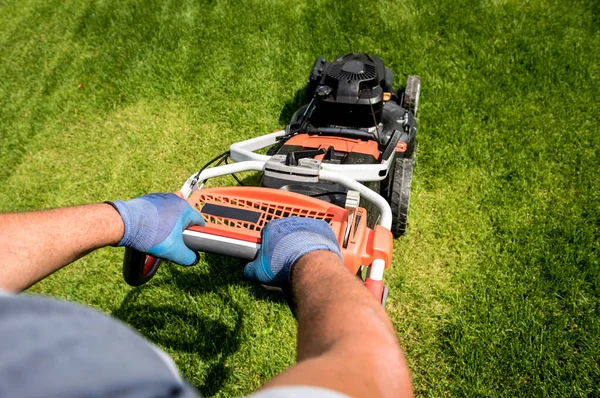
[(346, 344)]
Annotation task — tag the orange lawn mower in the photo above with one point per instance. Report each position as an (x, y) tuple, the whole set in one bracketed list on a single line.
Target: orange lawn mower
[(347, 157)]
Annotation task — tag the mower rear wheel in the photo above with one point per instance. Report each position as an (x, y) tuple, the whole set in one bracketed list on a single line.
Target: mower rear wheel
[(384, 296), (400, 194), (412, 94)]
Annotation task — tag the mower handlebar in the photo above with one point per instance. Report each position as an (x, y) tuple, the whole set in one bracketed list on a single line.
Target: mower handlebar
[(139, 268), (326, 175), (245, 151)]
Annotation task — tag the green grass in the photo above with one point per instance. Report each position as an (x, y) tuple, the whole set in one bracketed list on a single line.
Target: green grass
[(495, 287)]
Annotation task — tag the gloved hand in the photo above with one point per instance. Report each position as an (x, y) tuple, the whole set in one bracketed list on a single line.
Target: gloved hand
[(154, 224), (284, 241)]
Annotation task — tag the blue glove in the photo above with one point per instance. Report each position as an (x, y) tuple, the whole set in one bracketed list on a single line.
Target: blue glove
[(154, 224), (284, 241)]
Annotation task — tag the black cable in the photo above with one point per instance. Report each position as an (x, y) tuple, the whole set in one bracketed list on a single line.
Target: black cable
[(304, 119), (219, 158), (226, 153), (316, 195), (233, 175), (375, 121), (223, 158), (341, 132)]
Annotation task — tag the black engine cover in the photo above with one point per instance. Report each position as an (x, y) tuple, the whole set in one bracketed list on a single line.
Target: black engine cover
[(349, 91)]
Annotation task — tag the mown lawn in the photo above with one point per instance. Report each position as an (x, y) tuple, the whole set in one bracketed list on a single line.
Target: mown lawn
[(496, 285)]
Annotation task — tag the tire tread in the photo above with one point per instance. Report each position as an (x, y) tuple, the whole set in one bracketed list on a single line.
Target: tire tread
[(400, 195)]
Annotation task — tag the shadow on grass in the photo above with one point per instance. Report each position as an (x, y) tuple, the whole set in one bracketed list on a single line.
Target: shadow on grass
[(213, 340), (288, 110)]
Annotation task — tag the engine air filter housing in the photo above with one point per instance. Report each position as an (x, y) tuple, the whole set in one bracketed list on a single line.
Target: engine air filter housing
[(349, 91)]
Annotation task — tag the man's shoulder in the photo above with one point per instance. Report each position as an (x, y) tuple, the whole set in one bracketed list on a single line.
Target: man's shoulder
[(56, 348)]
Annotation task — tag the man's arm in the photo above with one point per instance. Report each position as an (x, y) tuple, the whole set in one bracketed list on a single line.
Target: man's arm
[(33, 245), (345, 340)]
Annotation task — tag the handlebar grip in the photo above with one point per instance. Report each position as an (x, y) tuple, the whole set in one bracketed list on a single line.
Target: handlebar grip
[(138, 267)]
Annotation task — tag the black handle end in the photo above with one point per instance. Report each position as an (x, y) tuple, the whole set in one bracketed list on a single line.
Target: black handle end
[(138, 267)]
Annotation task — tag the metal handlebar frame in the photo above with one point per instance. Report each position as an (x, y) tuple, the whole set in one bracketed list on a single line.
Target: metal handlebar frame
[(139, 268), (385, 220), (244, 151)]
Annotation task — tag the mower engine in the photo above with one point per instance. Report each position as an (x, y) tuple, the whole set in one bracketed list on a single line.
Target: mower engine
[(352, 116), (349, 91)]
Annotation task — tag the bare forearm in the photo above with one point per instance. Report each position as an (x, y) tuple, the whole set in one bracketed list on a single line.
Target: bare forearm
[(329, 296), (345, 339), (35, 244)]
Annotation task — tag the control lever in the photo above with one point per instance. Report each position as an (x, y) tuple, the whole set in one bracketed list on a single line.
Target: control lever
[(292, 158)]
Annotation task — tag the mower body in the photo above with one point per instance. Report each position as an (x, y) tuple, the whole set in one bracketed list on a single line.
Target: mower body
[(352, 116), (346, 157)]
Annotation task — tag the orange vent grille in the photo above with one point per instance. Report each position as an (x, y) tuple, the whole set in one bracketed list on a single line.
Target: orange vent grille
[(268, 212), (251, 208)]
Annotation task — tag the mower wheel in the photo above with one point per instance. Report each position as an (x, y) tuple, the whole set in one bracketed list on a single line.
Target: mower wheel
[(384, 296), (411, 94), (400, 194), (138, 267)]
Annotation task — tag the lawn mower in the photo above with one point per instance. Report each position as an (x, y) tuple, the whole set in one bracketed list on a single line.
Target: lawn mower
[(346, 157)]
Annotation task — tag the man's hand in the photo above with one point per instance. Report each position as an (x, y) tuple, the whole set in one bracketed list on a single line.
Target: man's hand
[(35, 244), (154, 224), (284, 241)]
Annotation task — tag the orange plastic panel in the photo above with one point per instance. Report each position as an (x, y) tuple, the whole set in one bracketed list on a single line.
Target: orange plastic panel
[(364, 244), (270, 203), (340, 144), (380, 244)]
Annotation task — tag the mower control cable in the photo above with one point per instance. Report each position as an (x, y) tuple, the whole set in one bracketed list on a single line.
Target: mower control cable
[(341, 131), (233, 174), (223, 157), (317, 195), (219, 158), (301, 125)]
